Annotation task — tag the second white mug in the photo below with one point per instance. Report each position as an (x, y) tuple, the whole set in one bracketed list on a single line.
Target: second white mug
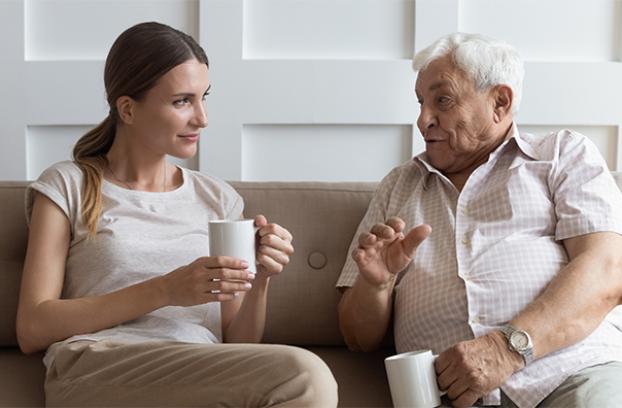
[(412, 379)]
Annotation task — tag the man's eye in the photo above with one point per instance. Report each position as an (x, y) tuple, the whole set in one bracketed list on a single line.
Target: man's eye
[(444, 100), (205, 96)]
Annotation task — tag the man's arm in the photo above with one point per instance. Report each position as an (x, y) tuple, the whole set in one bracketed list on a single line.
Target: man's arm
[(575, 303), (364, 314), (365, 309), (571, 307)]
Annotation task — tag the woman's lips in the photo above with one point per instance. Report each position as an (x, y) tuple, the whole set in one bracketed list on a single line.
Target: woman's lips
[(193, 137)]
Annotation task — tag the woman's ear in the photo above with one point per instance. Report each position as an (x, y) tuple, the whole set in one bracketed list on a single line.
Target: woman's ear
[(503, 97), (125, 109)]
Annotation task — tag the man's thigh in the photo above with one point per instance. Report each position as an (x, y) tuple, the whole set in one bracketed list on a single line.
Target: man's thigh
[(178, 374), (597, 386)]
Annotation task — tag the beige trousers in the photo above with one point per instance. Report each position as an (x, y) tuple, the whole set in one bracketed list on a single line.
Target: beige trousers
[(171, 374)]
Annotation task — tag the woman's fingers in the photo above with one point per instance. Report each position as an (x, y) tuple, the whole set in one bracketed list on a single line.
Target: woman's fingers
[(270, 265), (222, 262), (279, 256), (274, 229)]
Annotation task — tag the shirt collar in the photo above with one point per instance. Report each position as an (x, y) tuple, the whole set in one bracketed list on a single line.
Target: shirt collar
[(523, 141)]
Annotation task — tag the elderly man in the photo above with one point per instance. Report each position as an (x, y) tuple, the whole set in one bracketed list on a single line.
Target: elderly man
[(497, 249)]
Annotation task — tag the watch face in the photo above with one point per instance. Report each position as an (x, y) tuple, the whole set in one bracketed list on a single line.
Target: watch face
[(519, 340)]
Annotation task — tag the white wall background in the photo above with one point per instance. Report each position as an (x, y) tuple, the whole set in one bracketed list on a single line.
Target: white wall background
[(302, 89)]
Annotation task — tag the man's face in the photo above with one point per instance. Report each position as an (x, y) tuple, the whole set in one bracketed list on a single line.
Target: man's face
[(456, 120)]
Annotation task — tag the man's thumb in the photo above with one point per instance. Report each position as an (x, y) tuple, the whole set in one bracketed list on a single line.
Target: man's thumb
[(414, 238)]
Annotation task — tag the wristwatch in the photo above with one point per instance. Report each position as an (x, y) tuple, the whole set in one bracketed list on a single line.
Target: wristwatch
[(519, 341)]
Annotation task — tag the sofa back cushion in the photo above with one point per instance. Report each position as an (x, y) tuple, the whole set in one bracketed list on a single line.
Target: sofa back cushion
[(13, 235), (302, 301), (302, 304), (323, 217)]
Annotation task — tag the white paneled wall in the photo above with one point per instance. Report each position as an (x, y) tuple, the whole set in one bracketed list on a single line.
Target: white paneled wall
[(303, 89)]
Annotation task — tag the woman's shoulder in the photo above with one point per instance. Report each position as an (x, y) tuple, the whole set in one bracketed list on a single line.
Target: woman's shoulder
[(67, 171), (216, 194), (209, 183)]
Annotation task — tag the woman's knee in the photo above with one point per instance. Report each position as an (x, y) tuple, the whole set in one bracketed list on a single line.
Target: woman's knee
[(311, 378)]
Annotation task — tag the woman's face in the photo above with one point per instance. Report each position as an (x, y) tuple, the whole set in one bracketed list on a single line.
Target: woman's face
[(168, 119)]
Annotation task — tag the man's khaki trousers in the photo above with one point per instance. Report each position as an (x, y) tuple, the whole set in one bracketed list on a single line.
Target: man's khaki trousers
[(171, 374)]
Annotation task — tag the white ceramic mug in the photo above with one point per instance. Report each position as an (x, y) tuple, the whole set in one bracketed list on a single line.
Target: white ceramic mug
[(235, 238), (412, 379)]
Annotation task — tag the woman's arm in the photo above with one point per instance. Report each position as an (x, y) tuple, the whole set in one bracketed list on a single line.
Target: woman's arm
[(43, 318), (243, 319)]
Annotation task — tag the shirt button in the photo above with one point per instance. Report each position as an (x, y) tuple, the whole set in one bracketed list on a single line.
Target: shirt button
[(476, 320), (466, 240)]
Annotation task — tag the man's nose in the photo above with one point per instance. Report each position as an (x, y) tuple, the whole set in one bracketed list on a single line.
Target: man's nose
[(427, 119)]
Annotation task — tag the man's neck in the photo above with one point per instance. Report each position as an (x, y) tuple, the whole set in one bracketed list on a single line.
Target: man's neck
[(460, 178)]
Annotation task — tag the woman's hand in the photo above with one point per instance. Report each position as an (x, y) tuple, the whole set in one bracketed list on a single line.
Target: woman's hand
[(207, 279), (274, 247)]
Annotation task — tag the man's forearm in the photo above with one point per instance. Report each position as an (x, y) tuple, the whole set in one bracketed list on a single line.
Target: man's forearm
[(365, 313), (575, 303)]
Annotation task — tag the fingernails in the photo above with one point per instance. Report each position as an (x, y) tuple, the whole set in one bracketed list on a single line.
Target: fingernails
[(244, 264), (247, 285), (251, 276)]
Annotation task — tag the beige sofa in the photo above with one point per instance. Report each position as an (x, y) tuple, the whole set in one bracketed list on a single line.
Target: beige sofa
[(302, 306)]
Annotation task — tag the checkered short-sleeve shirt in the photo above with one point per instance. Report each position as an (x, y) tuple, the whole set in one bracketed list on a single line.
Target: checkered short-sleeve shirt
[(495, 246)]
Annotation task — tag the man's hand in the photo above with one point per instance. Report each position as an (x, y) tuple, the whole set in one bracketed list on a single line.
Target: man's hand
[(385, 250), (471, 369)]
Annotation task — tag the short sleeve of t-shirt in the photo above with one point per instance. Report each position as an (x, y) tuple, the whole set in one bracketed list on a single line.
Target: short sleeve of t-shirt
[(61, 183)]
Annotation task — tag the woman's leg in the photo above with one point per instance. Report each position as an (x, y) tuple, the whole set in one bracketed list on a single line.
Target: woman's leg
[(188, 375)]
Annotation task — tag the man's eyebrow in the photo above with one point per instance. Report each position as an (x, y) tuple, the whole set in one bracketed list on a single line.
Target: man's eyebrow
[(438, 84)]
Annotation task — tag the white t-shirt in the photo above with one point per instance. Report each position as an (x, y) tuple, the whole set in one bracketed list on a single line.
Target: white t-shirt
[(140, 235)]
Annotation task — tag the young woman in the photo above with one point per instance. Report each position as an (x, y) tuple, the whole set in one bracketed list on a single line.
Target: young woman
[(116, 285)]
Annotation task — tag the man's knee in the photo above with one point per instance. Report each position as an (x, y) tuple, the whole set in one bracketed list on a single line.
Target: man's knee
[(596, 386)]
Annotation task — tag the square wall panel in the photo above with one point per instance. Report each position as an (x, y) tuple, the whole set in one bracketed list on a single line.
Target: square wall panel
[(85, 30), (323, 152), (328, 29), (46, 145), (604, 137), (551, 30)]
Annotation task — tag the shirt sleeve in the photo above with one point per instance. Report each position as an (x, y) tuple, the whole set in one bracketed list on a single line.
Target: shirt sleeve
[(61, 184), (585, 194), (376, 212)]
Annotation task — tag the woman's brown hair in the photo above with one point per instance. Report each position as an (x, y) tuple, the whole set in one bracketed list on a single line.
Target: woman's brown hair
[(140, 56)]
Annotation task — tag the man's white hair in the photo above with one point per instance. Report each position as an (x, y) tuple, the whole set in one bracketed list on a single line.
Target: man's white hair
[(488, 62)]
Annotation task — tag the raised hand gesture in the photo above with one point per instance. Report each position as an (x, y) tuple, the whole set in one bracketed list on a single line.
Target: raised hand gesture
[(385, 250)]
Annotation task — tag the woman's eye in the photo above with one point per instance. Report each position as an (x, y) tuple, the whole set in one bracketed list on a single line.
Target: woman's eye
[(181, 102)]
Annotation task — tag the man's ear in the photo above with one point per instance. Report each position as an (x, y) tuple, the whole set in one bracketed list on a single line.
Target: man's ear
[(125, 109), (503, 98)]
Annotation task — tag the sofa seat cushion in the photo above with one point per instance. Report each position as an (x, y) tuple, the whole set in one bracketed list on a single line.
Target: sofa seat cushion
[(21, 379), (361, 377)]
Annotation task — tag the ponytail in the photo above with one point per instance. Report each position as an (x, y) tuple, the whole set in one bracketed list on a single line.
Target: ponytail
[(89, 154)]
